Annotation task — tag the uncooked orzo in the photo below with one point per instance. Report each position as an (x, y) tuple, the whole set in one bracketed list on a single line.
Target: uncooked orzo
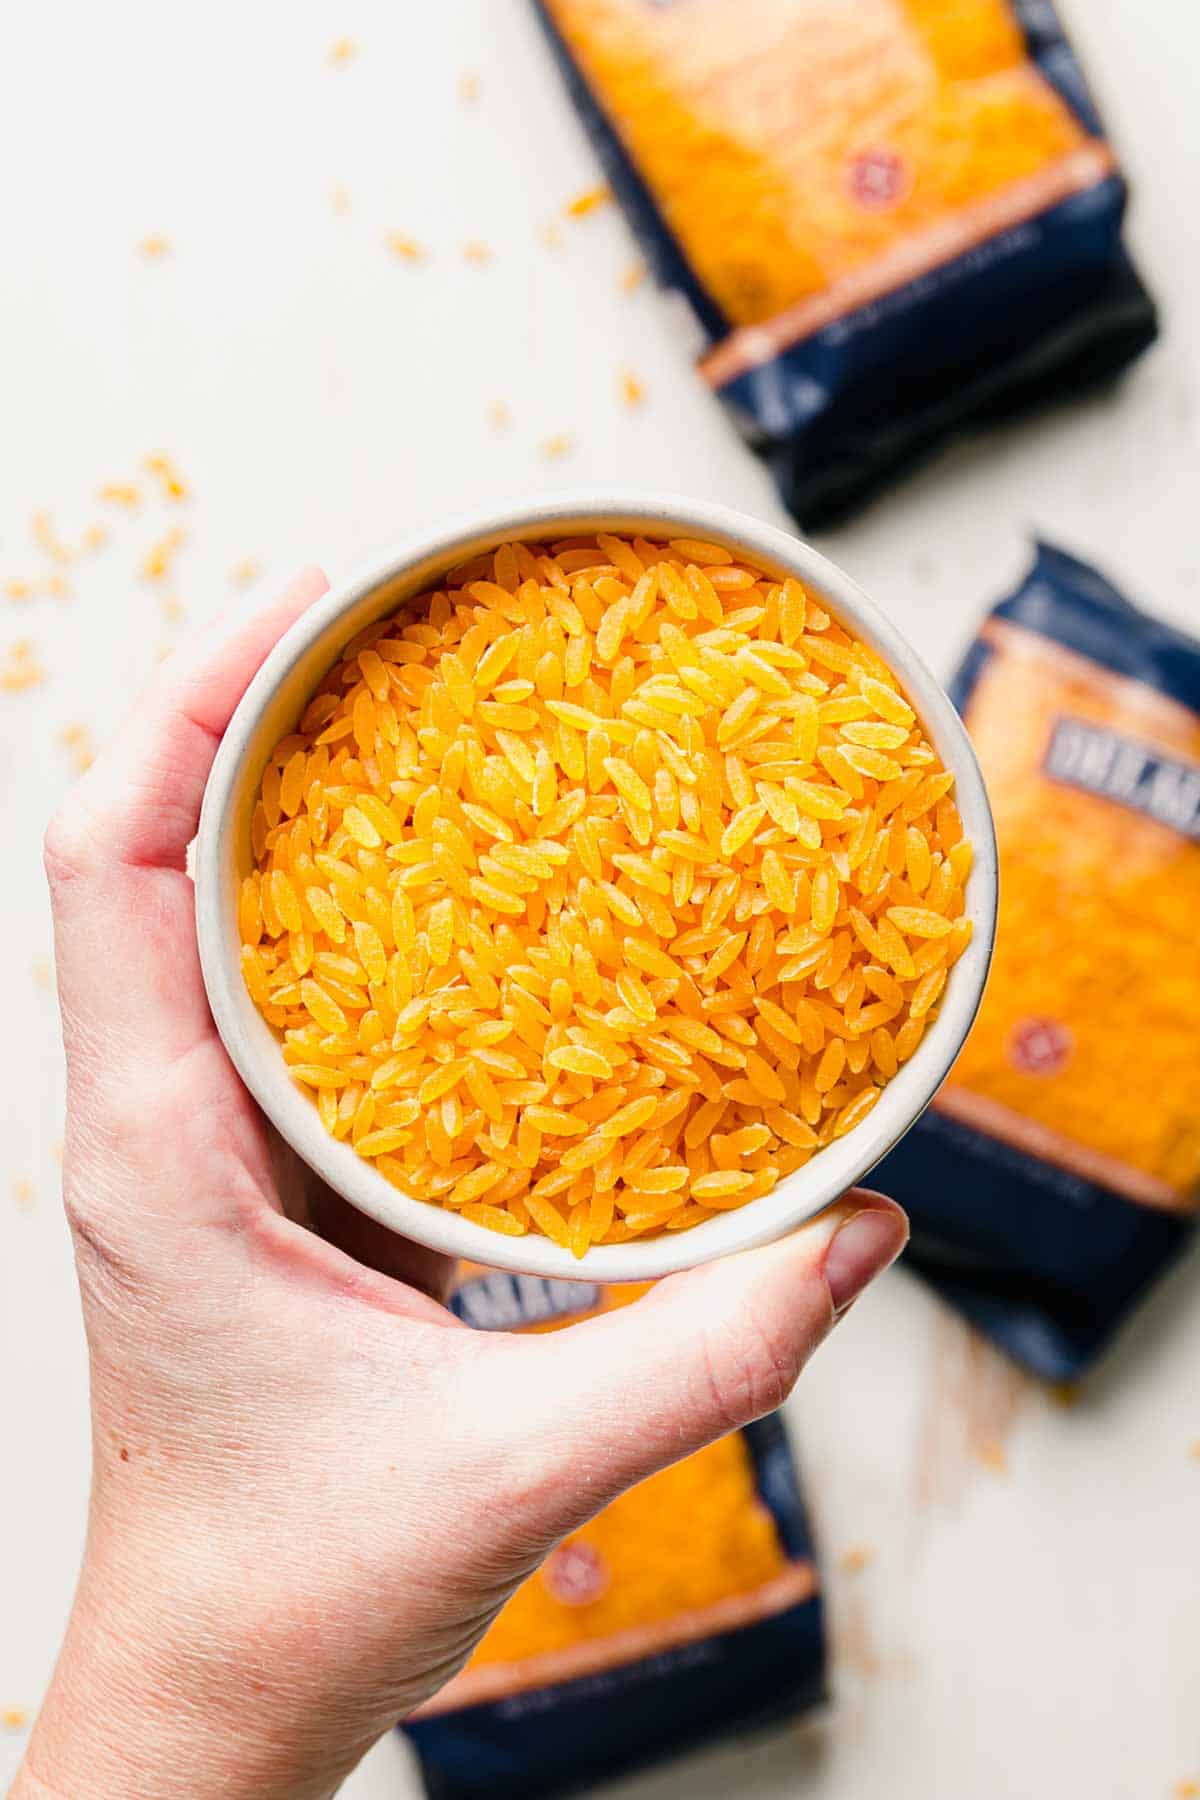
[(820, 185), (601, 887)]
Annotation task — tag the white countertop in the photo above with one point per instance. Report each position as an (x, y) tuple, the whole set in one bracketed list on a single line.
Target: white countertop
[(1029, 1624)]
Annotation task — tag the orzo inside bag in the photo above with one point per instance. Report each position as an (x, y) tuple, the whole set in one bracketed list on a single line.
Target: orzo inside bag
[(887, 217), (690, 1607), (1058, 1170)]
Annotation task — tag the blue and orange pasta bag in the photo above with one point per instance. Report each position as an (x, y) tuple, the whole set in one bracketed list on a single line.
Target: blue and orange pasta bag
[(1058, 1169), (887, 218), (690, 1607)]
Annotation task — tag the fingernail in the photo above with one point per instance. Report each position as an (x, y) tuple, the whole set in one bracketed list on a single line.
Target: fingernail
[(861, 1249)]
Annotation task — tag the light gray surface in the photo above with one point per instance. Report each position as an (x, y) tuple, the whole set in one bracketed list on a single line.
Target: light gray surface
[(1033, 1631)]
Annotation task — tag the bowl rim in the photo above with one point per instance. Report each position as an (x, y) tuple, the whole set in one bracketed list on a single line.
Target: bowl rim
[(407, 566)]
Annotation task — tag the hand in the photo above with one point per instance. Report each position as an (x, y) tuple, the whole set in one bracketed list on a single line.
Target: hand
[(312, 1487)]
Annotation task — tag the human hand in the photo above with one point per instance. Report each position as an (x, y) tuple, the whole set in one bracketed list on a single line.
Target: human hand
[(313, 1488)]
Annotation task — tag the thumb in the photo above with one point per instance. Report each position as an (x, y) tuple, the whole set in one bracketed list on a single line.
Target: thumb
[(593, 1409)]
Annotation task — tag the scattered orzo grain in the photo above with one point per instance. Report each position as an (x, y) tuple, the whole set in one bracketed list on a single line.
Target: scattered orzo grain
[(406, 248), (53, 586), (342, 51), (20, 669), (588, 201), (155, 246), (567, 905), (559, 445), (633, 390), (159, 558), (77, 741), (476, 251), (46, 538), (170, 481), (119, 493)]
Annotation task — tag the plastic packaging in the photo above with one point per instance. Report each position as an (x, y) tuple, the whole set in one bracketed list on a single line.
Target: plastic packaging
[(691, 1607), (886, 218), (1058, 1170)]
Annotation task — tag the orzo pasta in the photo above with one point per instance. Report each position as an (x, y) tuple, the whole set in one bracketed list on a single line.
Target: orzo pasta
[(1058, 1170), (878, 217), (601, 887)]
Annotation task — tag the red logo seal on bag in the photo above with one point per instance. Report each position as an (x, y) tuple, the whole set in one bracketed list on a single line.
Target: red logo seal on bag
[(877, 179), (576, 1574), (1040, 1047)]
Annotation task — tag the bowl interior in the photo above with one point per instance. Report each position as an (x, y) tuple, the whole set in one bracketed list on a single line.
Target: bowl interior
[(271, 708)]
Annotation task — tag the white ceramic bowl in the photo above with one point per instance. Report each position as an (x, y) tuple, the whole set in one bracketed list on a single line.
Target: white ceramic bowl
[(270, 708)]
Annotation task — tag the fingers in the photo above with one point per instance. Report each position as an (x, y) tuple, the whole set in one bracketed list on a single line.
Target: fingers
[(604, 1404), (128, 970)]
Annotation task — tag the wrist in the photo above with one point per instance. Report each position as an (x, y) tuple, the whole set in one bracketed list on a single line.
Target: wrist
[(146, 1700)]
